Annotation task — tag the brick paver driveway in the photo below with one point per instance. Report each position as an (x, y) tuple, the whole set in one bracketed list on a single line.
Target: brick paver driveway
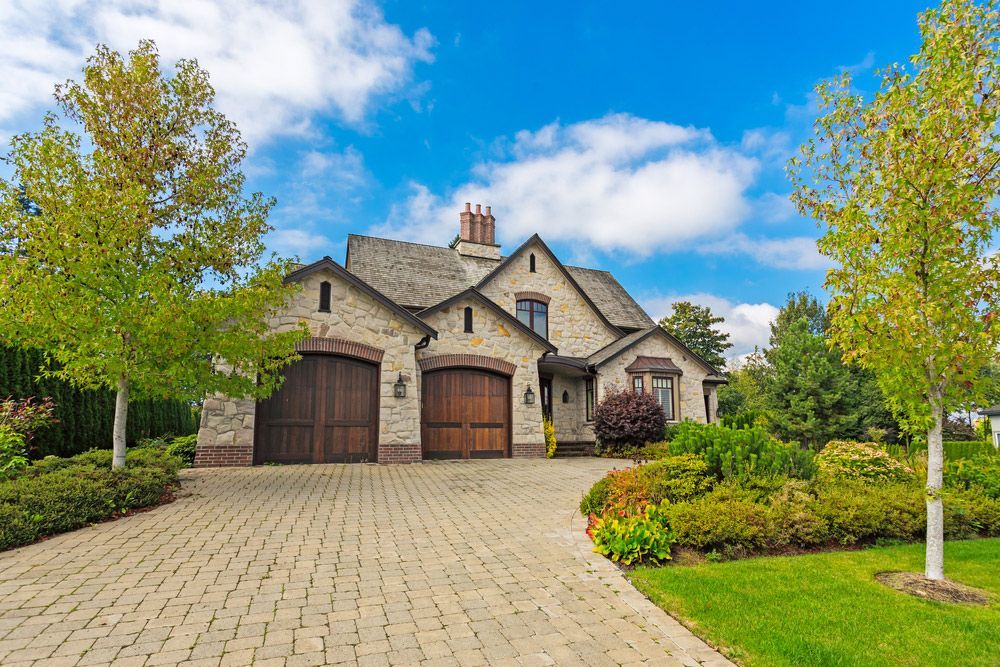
[(458, 563)]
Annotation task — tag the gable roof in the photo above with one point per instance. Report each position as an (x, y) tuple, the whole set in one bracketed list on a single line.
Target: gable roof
[(419, 276), (617, 304), (609, 352), (536, 240), (992, 411), (327, 264), (473, 293)]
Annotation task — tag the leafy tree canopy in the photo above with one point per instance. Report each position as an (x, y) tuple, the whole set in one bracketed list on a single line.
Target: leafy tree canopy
[(905, 184), (140, 260), (695, 326)]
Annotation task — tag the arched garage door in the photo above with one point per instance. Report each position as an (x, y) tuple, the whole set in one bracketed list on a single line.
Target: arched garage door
[(325, 412), (465, 414)]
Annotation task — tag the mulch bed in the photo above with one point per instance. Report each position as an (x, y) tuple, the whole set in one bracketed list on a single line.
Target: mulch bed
[(917, 585)]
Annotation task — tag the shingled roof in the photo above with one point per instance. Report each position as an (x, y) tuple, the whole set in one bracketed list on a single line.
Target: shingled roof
[(419, 276)]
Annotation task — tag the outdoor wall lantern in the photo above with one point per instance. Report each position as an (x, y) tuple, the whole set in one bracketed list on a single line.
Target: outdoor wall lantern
[(399, 389), (529, 396)]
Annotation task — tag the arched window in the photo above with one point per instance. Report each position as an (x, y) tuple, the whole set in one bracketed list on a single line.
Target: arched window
[(324, 297), (468, 319), (535, 314), (531, 262)]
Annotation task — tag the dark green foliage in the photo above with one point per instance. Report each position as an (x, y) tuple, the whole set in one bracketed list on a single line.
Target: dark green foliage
[(811, 396), (85, 416), (741, 453), (56, 495), (695, 326), (183, 447), (799, 306)]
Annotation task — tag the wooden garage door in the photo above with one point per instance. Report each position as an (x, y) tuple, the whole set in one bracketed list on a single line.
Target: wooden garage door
[(465, 414), (325, 412)]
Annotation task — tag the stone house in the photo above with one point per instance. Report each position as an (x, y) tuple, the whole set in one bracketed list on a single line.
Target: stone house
[(424, 352)]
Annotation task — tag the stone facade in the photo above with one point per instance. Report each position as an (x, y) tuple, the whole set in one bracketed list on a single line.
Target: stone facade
[(226, 433), (493, 336), (574, 327), (691, 387)]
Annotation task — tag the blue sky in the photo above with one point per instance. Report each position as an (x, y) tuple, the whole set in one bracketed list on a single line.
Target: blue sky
[(647, 139)]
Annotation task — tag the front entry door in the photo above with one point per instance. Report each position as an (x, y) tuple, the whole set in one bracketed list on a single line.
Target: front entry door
[(545, 387)]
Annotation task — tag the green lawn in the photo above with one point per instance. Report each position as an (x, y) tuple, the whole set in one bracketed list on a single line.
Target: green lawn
[(827, 609)]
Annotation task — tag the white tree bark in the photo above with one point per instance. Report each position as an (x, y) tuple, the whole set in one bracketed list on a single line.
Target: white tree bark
[(934, 561), (121, 415)]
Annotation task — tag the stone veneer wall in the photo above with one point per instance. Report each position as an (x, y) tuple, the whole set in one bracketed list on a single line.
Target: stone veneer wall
[(691, 392), (226, 433), (494, 337), (574, 327), (570, 419)]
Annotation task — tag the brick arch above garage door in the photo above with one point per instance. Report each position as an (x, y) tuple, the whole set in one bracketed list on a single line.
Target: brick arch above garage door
[(342, 347), (492, 364)]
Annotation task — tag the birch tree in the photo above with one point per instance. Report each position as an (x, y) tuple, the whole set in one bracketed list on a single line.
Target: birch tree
[(905, 184), (140, 260)]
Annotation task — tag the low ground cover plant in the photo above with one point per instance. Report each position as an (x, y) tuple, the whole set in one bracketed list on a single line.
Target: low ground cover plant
[(742, 495), (55, 494), (640, 538)]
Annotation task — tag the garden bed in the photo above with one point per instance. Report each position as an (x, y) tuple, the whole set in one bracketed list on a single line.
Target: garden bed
[(55, 495)]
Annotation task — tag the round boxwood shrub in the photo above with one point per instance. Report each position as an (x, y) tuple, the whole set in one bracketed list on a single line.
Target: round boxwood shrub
[(865, 461), (625, 420)]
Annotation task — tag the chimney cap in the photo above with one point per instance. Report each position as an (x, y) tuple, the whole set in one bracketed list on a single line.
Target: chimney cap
[(468, 207), (479, 208), (488, 209)]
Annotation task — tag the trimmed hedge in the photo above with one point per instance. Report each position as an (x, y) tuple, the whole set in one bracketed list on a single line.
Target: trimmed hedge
[(85, 416), (960, 449), (59, 494)]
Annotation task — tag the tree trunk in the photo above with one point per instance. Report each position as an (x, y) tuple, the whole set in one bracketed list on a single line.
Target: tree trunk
[(121, 415), (934, 562)]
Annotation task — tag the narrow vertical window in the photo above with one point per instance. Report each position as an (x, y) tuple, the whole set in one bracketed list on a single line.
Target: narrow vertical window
[(637, 386), (708, 409), (531, 262), (590, 399), (468, 319), (324, 297)]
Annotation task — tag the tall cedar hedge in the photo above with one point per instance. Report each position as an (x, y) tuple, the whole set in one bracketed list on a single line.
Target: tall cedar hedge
[(85, 416)]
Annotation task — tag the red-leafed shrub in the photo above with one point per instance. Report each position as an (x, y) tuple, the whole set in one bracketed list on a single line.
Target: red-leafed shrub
[(625, 420)]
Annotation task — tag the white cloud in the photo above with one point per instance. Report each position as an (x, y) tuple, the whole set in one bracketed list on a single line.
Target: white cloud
[(300, 243), (772, 207), (615, 183), (795, 252), (273, 64), (748, 324)]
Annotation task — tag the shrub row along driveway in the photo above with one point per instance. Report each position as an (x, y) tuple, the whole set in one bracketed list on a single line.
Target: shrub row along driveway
[(440, 563)]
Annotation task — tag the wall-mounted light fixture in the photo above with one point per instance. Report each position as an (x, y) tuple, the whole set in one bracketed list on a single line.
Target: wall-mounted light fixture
[(399, 389), (529, 396)]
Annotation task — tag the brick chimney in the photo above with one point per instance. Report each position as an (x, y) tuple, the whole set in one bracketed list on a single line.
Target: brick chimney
[(477, 233)]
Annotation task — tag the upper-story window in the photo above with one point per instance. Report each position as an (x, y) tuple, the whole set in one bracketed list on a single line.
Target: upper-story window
[(535, 314), (468, 319), (531, 262), (324, 297)]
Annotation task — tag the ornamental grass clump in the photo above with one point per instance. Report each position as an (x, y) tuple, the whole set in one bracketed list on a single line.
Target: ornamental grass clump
[(865, 461)]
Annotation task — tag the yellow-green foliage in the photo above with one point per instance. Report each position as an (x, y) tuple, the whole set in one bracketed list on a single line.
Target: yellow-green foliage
[(550, 437), (843, 459)]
